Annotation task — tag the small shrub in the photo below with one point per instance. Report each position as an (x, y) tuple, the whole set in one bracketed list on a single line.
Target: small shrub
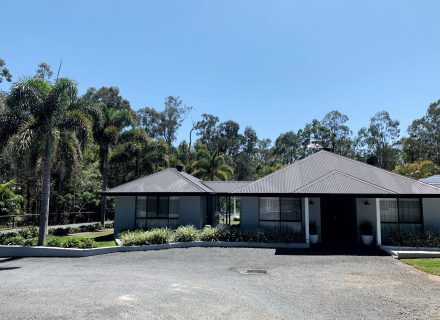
[(415, 239), (74, 230), (87, 243), (54, 242), (186, 234), (133, 238), (109, 225), (210, 234), (366, 228), (159, 236), (28, 233), (59, 231), (14, 241), (72, 243)]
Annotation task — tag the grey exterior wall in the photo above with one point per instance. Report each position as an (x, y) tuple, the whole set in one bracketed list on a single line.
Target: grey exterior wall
[(431, 214), (249, 214), (192, 210), (365, 212), (124, 213)]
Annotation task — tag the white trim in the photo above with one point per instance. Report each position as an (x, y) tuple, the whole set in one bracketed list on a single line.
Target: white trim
[(378, 227), (306, 219)]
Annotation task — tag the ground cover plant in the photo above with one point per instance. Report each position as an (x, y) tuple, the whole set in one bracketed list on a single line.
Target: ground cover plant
[(190, 234), (409, 239)]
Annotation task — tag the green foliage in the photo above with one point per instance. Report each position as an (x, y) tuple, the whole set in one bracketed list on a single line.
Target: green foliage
[(134, 238), (28, 233), (418, 169), (186, 234), (72, 243), (87, 243), (4, 72), (210, 234), (366, 228), (10, 202), (411, 239), (158, 236), (54, 242)]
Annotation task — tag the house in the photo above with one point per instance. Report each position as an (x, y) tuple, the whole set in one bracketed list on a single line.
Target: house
[(433, 180), (336, 192)]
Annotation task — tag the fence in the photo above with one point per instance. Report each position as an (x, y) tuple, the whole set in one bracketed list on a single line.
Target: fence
[(27, 220)]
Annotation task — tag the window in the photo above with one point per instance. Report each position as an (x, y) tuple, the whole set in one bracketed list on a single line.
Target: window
[(400, 215), (156, 212), (281, 213)]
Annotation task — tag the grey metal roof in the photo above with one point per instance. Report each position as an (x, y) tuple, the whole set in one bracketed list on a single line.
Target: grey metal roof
[(327, 173), (434, 180), (225, 186), (166, 181)]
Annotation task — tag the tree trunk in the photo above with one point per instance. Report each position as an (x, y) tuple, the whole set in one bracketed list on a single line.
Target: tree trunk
[(45, 191), (104, 186)]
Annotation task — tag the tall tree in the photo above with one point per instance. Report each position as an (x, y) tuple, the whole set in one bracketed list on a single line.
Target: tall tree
[(338, 132), (380, 139), (164, 124), (211, 166), (36, 113), (4, 72), (287, 147), (112, 116)]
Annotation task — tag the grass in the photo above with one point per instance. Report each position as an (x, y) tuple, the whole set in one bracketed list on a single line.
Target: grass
[(103, 238), (427, 265)]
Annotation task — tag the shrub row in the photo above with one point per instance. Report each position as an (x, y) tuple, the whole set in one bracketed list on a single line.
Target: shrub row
[(82, 243), (409, 239), (20, 238), (190, 233), (63, 231)]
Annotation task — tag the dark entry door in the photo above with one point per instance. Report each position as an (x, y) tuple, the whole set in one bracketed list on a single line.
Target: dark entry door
[(338, 217)]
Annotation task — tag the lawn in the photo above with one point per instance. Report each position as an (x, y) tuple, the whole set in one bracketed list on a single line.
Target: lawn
[(103, 238), (426, 265)]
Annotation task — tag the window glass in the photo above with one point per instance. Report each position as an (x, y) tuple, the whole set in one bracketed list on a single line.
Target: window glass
[(269, 208), (409, 211), (151, 207), (141, 207), (163, 207), (291, 209), (174, 207), (388, 210)]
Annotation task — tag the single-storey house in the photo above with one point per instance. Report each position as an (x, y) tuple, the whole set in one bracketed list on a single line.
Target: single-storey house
[(335, 192)]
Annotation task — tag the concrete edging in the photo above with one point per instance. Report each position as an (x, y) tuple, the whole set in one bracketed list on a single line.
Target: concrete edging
[(23, 251), (412, 252)]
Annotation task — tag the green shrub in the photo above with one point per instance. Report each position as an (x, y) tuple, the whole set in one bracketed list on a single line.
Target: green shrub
[(87, 243), (54, 242), (72, 243), (159, 236), (133, 238), (186, 234), (210, 234), (14, 241), (414, 239), (109, 225), (73, 229), (28, 233)]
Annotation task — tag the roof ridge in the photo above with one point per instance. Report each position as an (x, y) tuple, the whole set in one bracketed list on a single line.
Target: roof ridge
[(344, 174), (192, 182), (381, 169), (281, 170)]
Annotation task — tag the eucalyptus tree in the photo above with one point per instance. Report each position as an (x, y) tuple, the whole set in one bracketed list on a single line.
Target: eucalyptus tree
[(36, 115), (4, 72), (113, 114), (339, 140), (211, 165)]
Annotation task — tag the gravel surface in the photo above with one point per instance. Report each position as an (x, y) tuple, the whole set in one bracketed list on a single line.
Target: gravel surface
[(210, 283)]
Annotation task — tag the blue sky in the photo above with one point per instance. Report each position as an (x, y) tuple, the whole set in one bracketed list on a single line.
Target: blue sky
[(272, 65)]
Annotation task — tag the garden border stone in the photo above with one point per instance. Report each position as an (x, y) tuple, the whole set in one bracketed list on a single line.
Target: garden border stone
[(35, 251)]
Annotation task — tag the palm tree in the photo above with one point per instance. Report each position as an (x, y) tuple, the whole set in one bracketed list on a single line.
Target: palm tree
[(114, 115), (36, 115), (211, 165)]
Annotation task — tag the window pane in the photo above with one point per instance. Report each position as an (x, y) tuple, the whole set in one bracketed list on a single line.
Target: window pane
[(163, 207), (152, 207), (141, 223), (291, 226), (174, 207), (409, 210), (157, 223), (269, 208), (387, 230), (141, 207), (291, 209), (388, 210), (269, 225)]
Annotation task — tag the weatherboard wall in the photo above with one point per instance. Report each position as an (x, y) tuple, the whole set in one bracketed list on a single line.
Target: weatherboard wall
[(124, 213)]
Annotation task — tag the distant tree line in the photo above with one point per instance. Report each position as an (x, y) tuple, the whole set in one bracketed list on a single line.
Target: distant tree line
[(58, 149)]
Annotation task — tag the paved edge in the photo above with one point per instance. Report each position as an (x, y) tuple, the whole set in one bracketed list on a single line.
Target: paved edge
[(412, 252), (22, 251)]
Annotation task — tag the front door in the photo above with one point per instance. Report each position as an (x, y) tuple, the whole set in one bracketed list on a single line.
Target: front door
[(338, 216)]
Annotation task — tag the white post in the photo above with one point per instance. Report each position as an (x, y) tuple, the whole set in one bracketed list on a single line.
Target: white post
[(378, 227), (306, 218)]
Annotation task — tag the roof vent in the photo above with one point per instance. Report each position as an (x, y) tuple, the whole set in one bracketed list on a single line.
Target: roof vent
[(179, 167)]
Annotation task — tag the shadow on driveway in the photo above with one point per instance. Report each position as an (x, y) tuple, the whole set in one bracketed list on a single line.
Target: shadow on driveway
[(330, 250)]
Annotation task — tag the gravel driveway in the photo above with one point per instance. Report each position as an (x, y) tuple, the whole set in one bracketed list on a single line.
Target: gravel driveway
[(207, 283)]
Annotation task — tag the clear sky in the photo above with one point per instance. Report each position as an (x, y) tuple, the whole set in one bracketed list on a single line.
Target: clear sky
[(272, 65)]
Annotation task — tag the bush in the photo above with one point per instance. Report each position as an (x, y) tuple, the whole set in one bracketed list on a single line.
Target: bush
[(158, 236), (28, 233), (54, 242), (410, 239), (87, 243), (59, 231), (72, 243), (210, 234), (186, 234), (14, 241), (133, 238)]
